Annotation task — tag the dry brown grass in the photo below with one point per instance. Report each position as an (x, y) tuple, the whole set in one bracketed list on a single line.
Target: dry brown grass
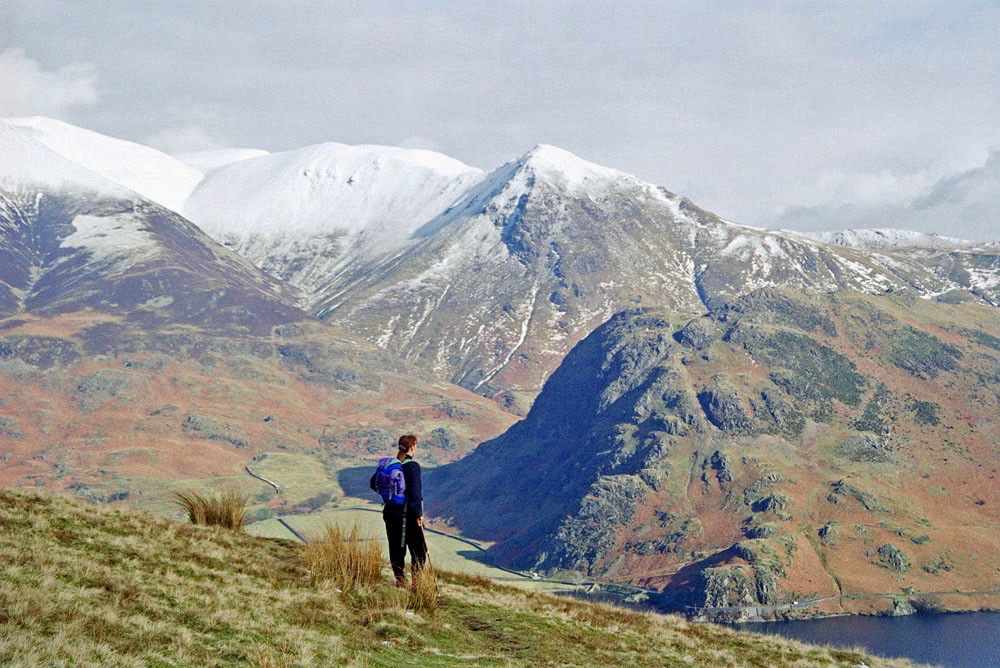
[(227, 510), (345, 558), (424, 592)]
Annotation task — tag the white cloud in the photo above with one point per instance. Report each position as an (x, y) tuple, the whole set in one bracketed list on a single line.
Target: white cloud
[(29, 90), (417, 141), (964, 205), (187, 138)]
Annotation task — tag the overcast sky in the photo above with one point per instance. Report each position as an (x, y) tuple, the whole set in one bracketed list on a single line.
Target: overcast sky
[(764, 112)]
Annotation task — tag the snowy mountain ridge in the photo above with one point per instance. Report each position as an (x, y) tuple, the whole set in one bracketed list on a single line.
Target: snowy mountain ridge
[(24, 160), (303, 214), (155, 175), (888, 239)]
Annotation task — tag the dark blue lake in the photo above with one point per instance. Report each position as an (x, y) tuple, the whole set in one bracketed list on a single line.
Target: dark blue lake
[(968, 640)]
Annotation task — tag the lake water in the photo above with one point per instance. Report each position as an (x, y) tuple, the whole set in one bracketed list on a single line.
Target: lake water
[(966, 640)]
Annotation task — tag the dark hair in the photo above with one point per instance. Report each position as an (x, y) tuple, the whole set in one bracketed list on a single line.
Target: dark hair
[(406, 442)]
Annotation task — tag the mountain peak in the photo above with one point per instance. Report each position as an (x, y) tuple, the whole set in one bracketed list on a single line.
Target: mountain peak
[(552, 161), (329, 189)]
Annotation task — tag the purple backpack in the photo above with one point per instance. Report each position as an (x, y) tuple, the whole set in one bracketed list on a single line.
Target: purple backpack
[(389, 481)]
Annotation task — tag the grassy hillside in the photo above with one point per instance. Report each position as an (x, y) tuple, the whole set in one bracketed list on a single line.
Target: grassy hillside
[(84, 585)]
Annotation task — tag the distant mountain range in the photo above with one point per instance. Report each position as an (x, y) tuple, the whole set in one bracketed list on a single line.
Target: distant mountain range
[(488, 279)]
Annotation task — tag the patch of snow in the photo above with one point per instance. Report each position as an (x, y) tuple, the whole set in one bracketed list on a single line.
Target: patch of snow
[(122, 238), (736, 244), (154, 175)]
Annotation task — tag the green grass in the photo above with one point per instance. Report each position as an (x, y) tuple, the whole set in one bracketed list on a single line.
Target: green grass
[(300, 476), (84, 585), (447, 553)]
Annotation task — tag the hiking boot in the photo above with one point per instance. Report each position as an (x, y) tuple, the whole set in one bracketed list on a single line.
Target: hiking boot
[(401, 582)]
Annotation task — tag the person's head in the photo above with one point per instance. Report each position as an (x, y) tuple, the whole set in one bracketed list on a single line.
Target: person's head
[(407, 445)]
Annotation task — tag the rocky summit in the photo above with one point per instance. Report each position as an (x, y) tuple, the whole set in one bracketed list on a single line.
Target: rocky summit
[(779, 449)]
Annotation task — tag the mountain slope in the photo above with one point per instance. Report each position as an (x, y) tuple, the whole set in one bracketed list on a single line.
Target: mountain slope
[(155, 175), (781, 448), (135, 351), (81, 585), (970, 267)]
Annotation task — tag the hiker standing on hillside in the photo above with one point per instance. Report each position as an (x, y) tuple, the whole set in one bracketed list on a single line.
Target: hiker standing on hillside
[(397, 480)]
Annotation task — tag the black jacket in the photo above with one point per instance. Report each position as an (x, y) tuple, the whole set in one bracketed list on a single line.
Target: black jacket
[(414, 491)]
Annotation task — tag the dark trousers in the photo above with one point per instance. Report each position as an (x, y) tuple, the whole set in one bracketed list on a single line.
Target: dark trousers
[(414, 540)]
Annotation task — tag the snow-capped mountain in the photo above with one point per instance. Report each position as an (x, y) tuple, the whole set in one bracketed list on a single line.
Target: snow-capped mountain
[(71, 239), (488, 279), (492, 293), (306, 215), (155, 175), (135, 350)]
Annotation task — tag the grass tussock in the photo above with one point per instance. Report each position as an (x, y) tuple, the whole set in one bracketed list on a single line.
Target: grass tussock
[(345, 558), (424, 591), (90, 586), (227, 509)]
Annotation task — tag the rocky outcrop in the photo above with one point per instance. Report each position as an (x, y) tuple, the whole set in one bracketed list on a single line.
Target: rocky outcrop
[(724, 409), (893, 558), (697, 334), (867, 448)]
